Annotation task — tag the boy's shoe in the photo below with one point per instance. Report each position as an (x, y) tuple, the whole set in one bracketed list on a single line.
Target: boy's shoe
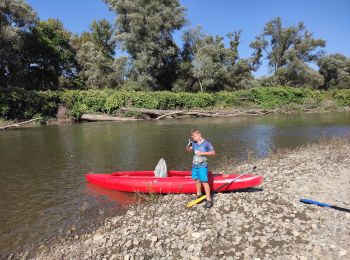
[(199, 196), (208, 204)]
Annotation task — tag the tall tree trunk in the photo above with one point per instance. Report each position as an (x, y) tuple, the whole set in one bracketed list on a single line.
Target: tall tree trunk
[(200, 84)]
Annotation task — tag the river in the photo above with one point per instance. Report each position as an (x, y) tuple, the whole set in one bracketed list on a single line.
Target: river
[(43, 192)]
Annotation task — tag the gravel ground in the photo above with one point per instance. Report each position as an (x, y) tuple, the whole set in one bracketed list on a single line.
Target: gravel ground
[(264, 223)]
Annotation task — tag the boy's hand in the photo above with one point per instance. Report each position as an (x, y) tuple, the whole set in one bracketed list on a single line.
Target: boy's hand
[(189, 144), (198, 152)]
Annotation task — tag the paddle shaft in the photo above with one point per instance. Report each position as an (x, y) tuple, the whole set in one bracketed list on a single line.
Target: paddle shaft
[(307, 201), (223, 185), (341, 209)]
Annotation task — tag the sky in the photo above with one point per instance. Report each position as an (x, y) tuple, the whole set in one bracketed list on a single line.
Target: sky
[(326, 19)]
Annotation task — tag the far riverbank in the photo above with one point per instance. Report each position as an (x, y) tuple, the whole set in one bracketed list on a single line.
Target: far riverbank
[(165, 114), (60, 106)]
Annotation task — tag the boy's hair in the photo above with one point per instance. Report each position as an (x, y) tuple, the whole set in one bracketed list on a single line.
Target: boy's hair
[(195, 130)]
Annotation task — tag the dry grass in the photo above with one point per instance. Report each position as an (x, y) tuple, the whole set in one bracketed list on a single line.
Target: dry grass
[(229, 165), (232, 165), (334, 141), (331, 142), (146, 197), (279, 153)]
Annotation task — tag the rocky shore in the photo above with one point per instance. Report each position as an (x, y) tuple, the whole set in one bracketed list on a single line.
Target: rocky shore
[(262, 223)]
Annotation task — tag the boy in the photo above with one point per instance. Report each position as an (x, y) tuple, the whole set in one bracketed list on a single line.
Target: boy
[(202, 148)]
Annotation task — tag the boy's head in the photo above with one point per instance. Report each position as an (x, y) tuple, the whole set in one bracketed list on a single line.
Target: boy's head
[(196, 135)]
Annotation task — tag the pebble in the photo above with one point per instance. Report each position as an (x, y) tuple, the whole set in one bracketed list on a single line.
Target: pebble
[(128, 257), (342, 253), (191, 248), (98, 236), (128, 244), (196, 235)]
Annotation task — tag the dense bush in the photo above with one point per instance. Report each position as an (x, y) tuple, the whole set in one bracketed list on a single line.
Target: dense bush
[(342, 97), (239, 98), (21, 104), (158, 100), (82, 101), (281, 96), (268, 97)]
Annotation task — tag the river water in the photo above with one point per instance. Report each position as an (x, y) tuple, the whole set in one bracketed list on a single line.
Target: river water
[(43, 192)]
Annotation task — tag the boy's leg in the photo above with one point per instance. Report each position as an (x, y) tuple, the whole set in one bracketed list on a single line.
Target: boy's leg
[(207, 190), (199, 187), (195, 176), (203, 177)]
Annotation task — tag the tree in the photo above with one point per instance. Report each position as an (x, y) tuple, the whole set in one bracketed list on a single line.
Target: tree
[(95, 54), (144, 28), (33, 54), (102, 36), (297, 73), (51, 57), (239, 70), (186, 80), (208, 61), (16, 22), (97, 70), (214, 66), (335, 69), (288, 48)]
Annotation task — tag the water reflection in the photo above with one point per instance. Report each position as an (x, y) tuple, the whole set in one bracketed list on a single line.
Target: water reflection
[(120, 198)]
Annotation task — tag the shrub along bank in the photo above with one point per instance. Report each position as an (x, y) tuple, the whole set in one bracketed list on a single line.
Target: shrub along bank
[(22, 104)]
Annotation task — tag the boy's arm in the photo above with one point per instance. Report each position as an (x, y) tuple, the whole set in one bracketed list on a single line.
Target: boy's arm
[(210, 149), (210, 153)]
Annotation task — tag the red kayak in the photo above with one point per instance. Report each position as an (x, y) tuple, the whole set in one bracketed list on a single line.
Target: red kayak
[(176, 182)]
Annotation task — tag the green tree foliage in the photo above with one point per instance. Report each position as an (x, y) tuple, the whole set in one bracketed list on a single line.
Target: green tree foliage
[(97, 70), (43, 55), (53, 64), (207, 67), (289, 50), (211, 66), (102, 36), (298, 74), (95, 55), (335, 69), (33, 54), (186, 80), (16, 22), (23, 104), (144, 29)]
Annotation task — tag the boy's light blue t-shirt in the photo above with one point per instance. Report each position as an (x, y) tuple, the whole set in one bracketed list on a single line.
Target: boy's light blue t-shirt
[(201, 160)]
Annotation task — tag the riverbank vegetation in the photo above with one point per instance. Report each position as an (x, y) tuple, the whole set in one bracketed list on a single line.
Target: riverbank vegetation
[(26, 104), (44, 66)]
